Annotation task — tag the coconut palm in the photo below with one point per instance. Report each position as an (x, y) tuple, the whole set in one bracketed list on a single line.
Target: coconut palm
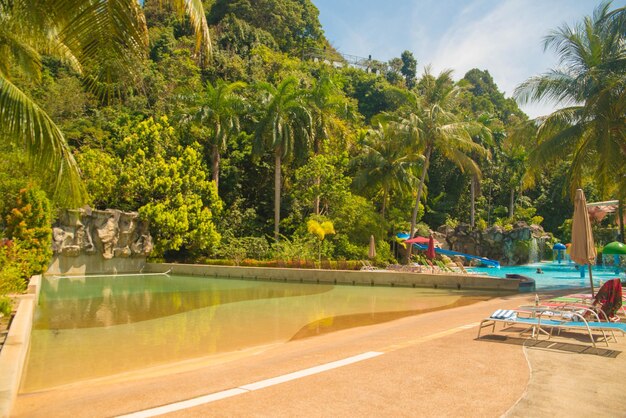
[(590, 131), (434, 127), (386, 163), (284, 127), (326, 102), (100, 39), (218, 112)]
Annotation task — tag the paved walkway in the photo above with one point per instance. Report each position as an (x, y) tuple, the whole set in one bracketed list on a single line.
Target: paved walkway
[(430, 365)]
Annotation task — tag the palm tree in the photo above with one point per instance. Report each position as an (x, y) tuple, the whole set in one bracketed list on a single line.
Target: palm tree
[(284, 127), (433, 126), (326, 102), (97, 38), (590, 131), (386, 163), (219, 110)]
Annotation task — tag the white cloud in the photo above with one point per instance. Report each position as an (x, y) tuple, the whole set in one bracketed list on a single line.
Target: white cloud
[(503, 37), (507, 41)]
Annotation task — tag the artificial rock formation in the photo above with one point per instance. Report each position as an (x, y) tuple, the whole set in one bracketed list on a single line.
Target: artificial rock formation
[(522, 244), (111, 233)]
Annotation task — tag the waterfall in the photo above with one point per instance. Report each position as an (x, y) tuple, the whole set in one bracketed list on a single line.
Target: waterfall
[(533, 251)]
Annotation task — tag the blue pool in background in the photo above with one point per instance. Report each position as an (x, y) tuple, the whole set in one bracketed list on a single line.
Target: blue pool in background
[(555, 276)]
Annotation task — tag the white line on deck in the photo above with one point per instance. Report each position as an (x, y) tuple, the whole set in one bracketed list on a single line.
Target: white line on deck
[(250, 387), (205, 399)]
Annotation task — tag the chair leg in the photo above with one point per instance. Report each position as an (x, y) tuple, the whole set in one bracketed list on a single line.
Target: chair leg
[(481, 326)]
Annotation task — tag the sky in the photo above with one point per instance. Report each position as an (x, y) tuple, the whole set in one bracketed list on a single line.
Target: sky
[(504, 37)]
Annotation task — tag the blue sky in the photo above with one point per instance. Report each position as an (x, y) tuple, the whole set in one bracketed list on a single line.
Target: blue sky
[(502, 36)]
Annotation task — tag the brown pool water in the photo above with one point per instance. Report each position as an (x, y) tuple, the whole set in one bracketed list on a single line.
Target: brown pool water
[(100, 326)]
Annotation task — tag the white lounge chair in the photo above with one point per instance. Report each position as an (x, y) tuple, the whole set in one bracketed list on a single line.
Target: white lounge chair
[(548, 319)]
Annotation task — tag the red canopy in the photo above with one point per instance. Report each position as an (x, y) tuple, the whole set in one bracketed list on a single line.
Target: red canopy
[(417, 240)]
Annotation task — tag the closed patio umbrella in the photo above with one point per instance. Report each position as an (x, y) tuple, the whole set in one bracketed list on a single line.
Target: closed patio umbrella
[(583, 250), (430, 251), (372, 251)]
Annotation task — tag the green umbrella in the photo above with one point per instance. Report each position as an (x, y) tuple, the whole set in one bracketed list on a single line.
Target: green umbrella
[(615, 248)]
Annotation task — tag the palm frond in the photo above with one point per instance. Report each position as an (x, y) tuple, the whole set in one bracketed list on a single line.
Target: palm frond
[(197, 18), (23, 54), (107, 37), (24, 123)]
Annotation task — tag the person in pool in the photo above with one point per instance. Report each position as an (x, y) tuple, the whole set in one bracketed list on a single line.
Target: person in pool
[(539, 271)]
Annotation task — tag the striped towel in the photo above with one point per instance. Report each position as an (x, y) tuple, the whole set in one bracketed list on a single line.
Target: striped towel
[(504, 314)]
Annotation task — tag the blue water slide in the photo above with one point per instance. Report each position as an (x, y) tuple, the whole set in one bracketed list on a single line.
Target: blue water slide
[(485, 261)]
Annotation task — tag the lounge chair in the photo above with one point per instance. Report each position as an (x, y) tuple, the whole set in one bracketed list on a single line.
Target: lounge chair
[(544, 318), (367, 266), (609, 300)]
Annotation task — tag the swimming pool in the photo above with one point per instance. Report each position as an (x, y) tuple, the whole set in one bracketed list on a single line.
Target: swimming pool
[(92, 327), (555, 275)]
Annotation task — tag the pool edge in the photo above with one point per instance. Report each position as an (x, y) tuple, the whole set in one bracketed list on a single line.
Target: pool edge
[(15, 349), (344, 277)]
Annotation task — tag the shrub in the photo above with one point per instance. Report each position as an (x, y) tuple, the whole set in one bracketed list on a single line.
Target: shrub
[(28, 225), (452, 222), (14, 268), (6, 306), (256, 247)]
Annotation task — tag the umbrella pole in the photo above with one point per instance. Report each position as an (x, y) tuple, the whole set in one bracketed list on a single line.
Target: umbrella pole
[(593, 293)]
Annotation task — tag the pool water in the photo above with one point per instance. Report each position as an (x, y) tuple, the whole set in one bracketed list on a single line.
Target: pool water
[(555, 275), (92, 327)]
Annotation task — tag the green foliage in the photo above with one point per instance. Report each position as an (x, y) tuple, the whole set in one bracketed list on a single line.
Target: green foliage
[(589, 132), (29, 226), (238, 249), (452, 222), (422, 229), (6, 305), (296, 248), (167, 183), (321, 177), (293, 24), (101, 175), (373, 94), (231, 248), (14, 268), (409, 68), (311, 116)]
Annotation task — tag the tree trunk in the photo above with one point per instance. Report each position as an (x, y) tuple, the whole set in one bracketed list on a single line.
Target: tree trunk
[(473, 204), (620, 215), (277, 168), (316, 151), (417, 200), (316, 204), (384, 203), (512, 203), (215, 165)]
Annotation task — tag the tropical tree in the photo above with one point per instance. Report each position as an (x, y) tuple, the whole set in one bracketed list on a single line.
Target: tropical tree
[(590, 131), (100, 39), (284, 127), (386, 163), (326, 102), (218, 112), (433, 126)]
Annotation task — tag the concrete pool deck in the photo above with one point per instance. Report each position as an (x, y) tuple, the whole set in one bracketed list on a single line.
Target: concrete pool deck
[(431, 365)]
